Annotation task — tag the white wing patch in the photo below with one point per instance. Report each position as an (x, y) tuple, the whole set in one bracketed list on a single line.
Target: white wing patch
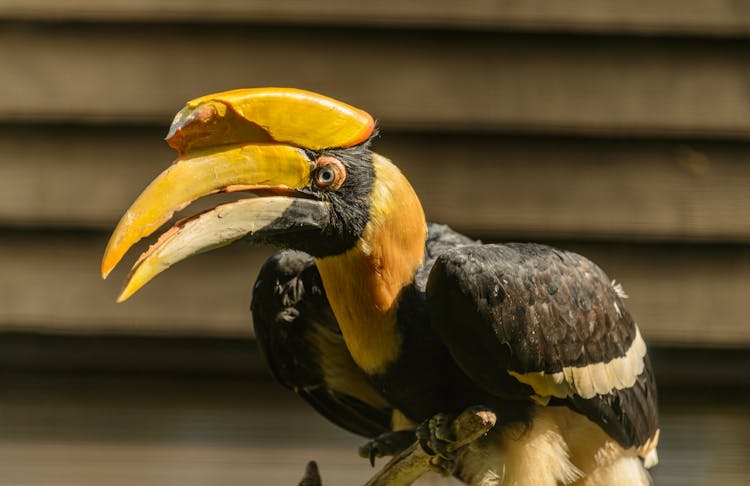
[(590, 380)]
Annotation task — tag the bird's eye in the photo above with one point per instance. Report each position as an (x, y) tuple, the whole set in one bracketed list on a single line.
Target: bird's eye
[(329, 173), (326, 176)]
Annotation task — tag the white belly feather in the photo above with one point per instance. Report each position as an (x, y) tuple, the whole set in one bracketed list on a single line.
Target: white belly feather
[(558, 447)]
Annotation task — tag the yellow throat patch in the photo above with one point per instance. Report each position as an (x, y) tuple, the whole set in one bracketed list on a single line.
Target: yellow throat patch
[(364, 283)]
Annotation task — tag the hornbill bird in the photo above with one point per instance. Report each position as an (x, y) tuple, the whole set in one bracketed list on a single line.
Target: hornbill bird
[(383, 322)]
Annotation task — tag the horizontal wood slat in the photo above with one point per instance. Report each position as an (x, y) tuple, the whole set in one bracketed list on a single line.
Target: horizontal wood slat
[(52, 282), (419, 80), (520, 187), (679, 294), (702, 17), (581, 188), (119, 355)]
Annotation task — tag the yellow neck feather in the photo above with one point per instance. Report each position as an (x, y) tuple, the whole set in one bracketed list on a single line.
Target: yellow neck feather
[(363, 284)]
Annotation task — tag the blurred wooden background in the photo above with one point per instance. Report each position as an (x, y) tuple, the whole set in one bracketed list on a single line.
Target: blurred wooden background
[(619, 129)]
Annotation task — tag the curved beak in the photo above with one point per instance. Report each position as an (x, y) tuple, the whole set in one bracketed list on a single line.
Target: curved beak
[(279, 171), (244, 140), (257, 218), (276, 168)]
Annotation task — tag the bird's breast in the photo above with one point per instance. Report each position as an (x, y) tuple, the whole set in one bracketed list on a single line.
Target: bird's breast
[(365, 313)]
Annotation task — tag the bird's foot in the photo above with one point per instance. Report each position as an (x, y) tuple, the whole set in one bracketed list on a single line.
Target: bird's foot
[(443, 435), (387, 444), (437, 438)]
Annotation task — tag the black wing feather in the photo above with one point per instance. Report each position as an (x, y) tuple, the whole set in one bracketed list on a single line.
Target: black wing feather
[(300, 340), (535, 311), (633, 410)]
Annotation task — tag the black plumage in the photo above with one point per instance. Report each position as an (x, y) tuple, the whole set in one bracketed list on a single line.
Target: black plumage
[(302, 344), (529, 308), (547, 308), (630, 415)]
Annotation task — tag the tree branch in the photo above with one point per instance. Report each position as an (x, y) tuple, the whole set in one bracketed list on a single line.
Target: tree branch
[(414, 461), (409, 465)]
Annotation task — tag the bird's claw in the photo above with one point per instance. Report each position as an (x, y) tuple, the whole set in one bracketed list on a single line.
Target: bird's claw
[(387, 444), (437, 439)]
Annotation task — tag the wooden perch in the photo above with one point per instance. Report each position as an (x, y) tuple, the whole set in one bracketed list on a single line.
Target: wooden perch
[(414, 461), (312, 475)]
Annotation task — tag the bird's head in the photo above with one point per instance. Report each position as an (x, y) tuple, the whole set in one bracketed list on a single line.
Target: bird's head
[(304, 162)]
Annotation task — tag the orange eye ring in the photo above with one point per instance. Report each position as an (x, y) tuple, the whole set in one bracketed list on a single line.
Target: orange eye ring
[(329, 173)]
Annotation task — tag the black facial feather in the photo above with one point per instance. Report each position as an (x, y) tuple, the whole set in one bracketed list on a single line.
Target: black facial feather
[(349, 205)]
